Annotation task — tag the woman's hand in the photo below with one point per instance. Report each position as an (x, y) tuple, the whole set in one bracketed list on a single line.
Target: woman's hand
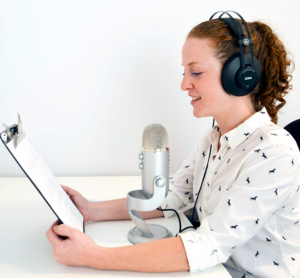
[(78, 249), (83, 205)]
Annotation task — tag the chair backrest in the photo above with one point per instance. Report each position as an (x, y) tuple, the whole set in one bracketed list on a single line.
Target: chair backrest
[(294, 129)]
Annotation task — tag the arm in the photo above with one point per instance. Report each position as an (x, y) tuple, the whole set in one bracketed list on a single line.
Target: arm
[(165, 255), (117, 210)]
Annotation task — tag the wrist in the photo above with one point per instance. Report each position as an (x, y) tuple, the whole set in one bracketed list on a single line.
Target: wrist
[(91, 211), (99, 257)]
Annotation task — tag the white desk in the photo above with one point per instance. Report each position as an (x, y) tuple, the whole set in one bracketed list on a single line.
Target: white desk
[(25, 217)]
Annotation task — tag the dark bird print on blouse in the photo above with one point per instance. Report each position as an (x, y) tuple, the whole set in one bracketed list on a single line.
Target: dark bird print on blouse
[(228, 148), (200, 209), (207, 184), (216, 127), (233, 227), (293, 259), (196, 194), (248, 180), (187, 193), (293, 161), (298, 189), (228, 160), (274, 134), (191, 198), (287, 134), (256, 221), (283, 237), (216, 173), (275, 263), (203, 153), (219, 157), (268, 240), (296, 222), (264, 156), (249, 272), (226, 138), (253, 198), (258, 150), (272, 171), (276, 192), (243, 150), (229, 204), (187, 181), (187, 166), (213, 252), (246, 134), (220, 188), (244, 276), (261, 138), (233, 247), (262, 112), (257, 253)]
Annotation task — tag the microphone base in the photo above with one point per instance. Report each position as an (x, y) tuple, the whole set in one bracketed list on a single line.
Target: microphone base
[(135, 236)]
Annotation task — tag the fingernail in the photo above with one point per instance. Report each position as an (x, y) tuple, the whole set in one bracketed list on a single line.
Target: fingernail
[(55, 227)]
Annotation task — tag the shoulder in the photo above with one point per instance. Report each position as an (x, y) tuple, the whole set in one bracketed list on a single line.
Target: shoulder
[(278, 136)]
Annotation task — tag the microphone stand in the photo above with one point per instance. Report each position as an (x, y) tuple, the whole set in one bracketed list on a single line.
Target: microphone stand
[(136, 201)]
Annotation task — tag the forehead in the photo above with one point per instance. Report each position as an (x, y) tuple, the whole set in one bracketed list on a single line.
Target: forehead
[(197, 50)]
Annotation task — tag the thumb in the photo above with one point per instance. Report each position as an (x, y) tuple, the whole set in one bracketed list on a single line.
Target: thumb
[(63, 230)]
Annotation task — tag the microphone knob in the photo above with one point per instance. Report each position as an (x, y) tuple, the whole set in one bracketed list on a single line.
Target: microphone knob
[(160, 182), (141, 156), (141, 165), (170, 176)]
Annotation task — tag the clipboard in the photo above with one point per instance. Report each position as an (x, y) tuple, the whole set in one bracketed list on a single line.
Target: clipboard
[(42, 178)]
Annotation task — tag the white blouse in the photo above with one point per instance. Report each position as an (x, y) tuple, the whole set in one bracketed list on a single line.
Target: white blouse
[(249, 204)]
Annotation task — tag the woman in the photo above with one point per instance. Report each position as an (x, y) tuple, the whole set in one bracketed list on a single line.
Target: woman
[(249, 204)]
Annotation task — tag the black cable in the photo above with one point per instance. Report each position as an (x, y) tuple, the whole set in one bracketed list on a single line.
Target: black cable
[(195, 226)]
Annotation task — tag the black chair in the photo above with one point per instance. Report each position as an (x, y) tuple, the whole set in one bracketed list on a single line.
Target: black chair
[(294, 129)]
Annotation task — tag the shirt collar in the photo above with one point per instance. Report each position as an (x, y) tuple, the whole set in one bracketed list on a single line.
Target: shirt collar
[(239, 134)]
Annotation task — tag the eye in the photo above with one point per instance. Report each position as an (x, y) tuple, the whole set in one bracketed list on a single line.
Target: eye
[(194, 73)]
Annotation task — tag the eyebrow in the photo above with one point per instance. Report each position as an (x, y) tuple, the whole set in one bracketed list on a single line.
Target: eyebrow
[(191, 63)]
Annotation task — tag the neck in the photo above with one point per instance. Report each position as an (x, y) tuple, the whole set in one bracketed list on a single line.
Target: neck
[(232, 118)]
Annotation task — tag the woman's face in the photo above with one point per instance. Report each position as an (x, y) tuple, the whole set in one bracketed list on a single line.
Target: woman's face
[(202, 78)]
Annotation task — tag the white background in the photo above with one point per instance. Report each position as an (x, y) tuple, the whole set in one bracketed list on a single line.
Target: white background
[(88, 76)]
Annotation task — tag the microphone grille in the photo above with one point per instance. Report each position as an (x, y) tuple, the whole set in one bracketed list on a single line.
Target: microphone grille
[(155, 137)]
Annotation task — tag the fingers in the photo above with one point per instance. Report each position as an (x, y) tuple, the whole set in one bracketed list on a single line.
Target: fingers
[(51, 235), (69, 190), (62, 230)]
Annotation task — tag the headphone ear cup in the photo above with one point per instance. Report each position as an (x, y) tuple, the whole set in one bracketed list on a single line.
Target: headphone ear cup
[(237, 82), (224, 79)]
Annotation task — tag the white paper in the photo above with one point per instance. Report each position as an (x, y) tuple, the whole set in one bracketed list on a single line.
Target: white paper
[(45, 181)]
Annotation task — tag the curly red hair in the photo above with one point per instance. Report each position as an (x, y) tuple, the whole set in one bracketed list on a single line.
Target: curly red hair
[(275, 78)]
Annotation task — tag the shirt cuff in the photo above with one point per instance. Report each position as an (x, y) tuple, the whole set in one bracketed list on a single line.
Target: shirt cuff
[(200, 252), (172, 201)]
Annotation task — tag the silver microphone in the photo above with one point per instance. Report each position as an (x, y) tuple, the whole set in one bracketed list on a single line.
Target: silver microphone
[(155, 184), (154, 159)]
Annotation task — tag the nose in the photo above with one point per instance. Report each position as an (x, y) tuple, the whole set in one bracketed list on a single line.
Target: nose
[(186, 84)]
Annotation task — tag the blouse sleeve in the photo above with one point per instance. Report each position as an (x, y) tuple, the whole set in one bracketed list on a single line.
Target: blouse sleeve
[(261, 187), (181, 186)]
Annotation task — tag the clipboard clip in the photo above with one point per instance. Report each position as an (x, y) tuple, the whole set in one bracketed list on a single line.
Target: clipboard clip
[(12, 131)]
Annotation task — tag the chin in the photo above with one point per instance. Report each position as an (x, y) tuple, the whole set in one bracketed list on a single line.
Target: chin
[(197, 114)]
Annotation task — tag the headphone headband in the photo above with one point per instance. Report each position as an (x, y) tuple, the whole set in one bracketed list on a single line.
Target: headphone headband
[(242, 40)]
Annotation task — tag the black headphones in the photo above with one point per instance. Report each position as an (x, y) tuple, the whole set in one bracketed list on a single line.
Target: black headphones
[(241, 72)]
